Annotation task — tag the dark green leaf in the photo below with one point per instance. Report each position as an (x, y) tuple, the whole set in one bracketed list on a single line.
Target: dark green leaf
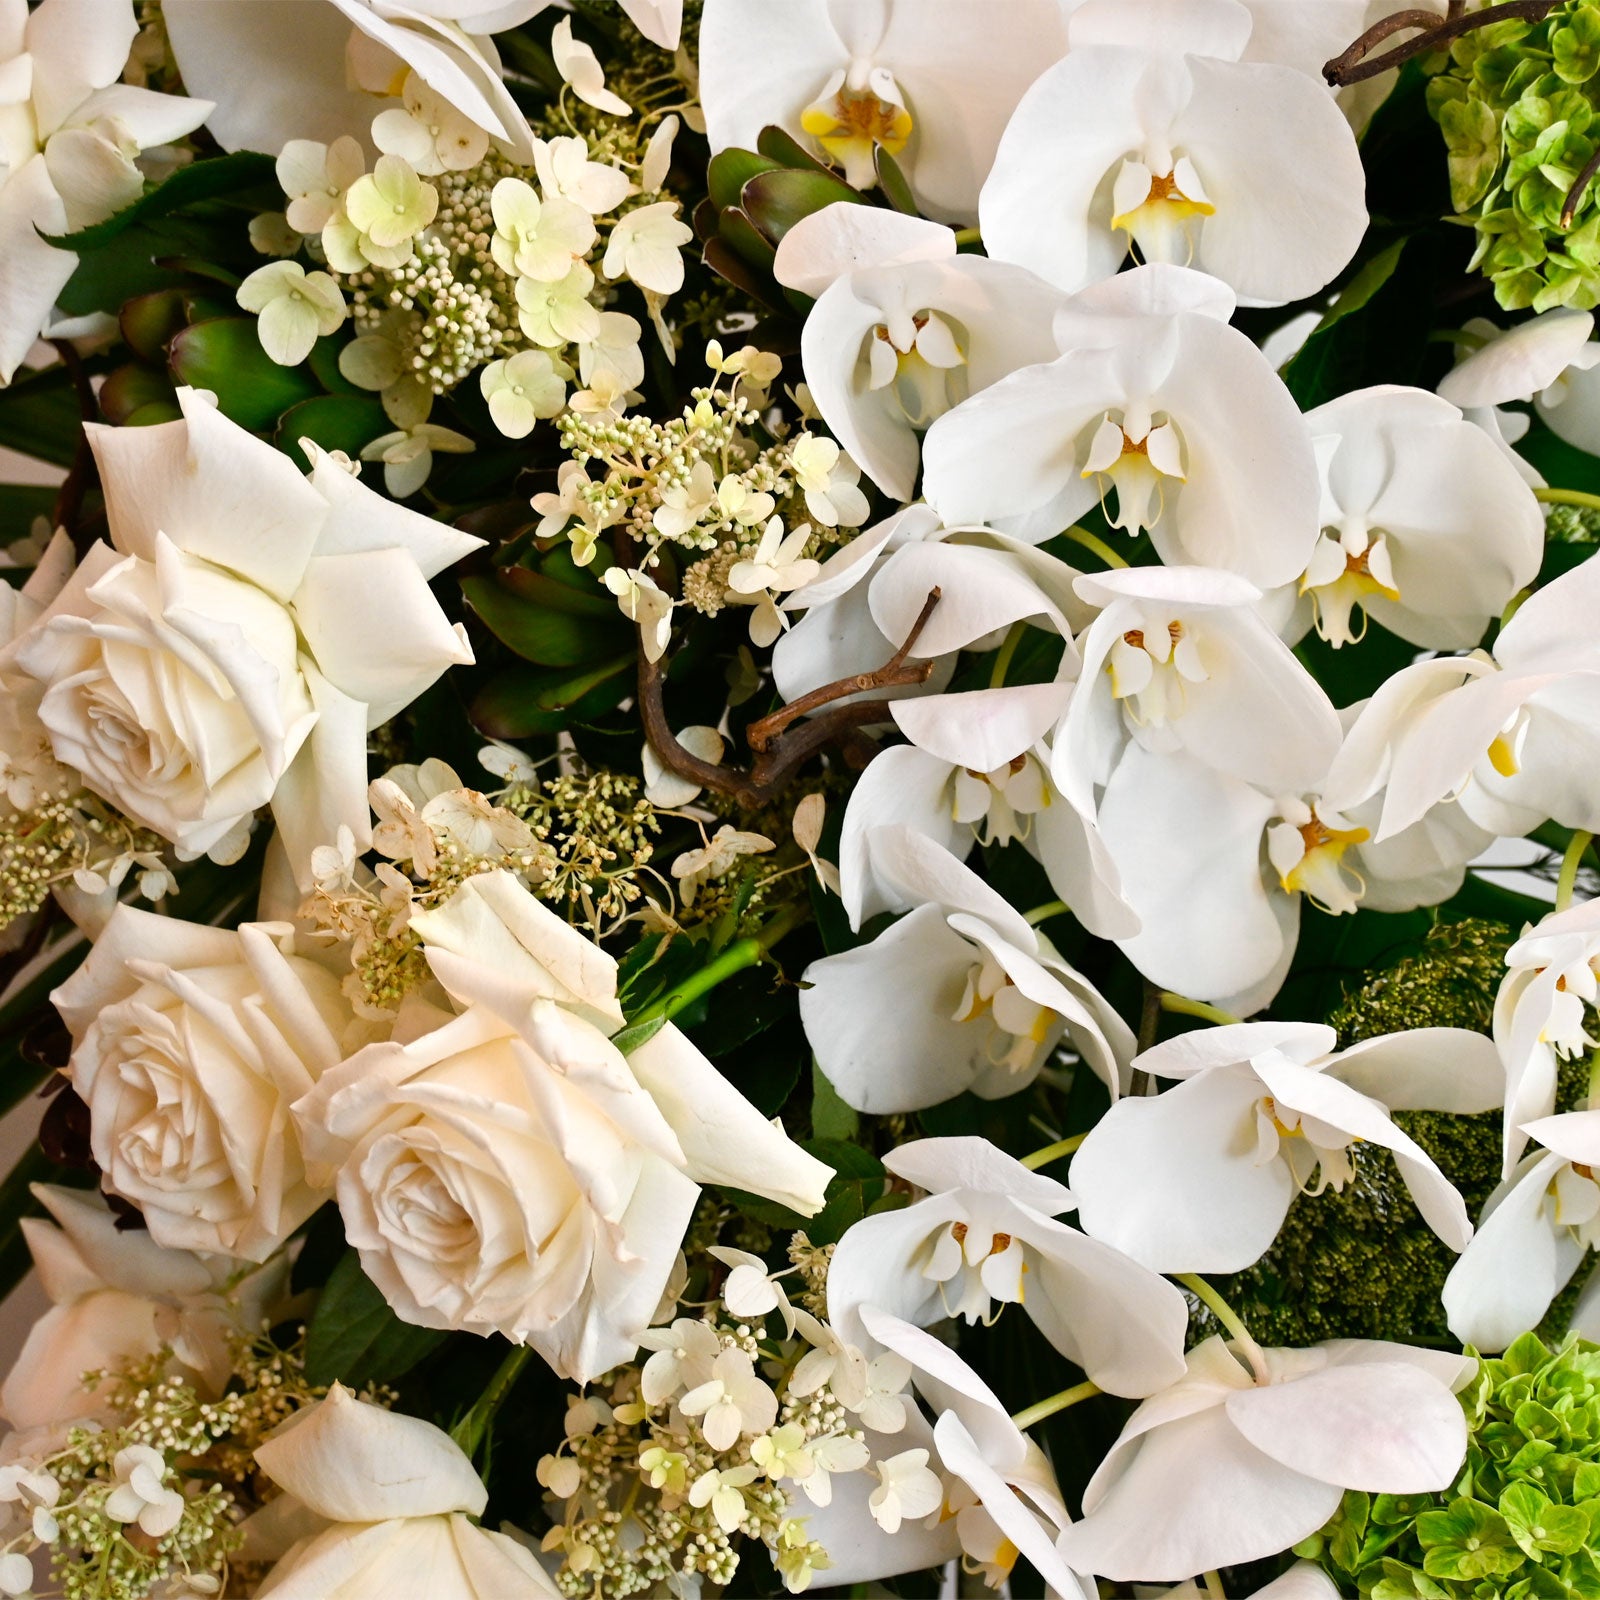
[(527, 700), (225, 356), (200, 180), (132, 387), (335, 421), (730, 170), (39, 417), (777, 145), (355, 1338), (513, 606), (20, 503), (775, 201), (892, 181)]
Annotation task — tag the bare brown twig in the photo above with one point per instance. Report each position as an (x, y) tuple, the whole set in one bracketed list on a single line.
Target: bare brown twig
[(780, 748), (1356, 64)]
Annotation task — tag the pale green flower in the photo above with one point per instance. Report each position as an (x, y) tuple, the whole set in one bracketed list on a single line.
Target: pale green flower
[(391, 205), (537, 238), (554, 314), (531, 385), (293, 308), (407, 455)]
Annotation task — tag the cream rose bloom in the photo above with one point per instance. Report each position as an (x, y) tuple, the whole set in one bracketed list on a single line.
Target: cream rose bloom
[(118, 1297), (189, 1045), (502, 1167), (397, 1493), (239, 637)]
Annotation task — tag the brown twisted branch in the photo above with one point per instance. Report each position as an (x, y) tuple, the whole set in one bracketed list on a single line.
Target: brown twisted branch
[(1356, 64), (781, 749)]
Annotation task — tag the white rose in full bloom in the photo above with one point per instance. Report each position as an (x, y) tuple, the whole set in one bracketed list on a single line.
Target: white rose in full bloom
[(189, 1045), (398, 1493), (503, 1168), (239, 637), (118, 1297)]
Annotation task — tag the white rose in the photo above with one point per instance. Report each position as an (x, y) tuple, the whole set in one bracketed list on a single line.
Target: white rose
[(189, 1044), (504, 1168), (118, 1297), (241, 635), (505, 1184), (398, 1493)]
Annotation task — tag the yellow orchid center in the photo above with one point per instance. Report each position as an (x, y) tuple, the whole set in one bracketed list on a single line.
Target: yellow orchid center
[(851, 122), (1160, 211), (1020, 1026), (1308, 855), (1140, 456), (1347, 569)]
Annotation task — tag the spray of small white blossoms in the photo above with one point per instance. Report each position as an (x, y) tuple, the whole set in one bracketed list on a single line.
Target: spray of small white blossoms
[(728, 1428), (458, 260), (721, 481)]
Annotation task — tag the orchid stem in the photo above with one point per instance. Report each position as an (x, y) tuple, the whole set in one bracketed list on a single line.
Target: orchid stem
[(968, 236), (1229, 1318), (1053, 1152), (473, 1429), (739, 955), (1213, 1582), (1568, 881), (1051, 1404), (1093, 541), (1182, 1006), (1008, 648), (1051, 908), (1568, 497)]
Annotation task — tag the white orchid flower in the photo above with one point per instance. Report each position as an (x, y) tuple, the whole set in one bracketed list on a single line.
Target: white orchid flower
[(1200, 1178), (984, 1237), (971, 772), (1512, 734), (1426, 527), (1549, 359), (904, 328), (921, 81), (1245, 1466), (837, 636), (982, 998), (72, 133), (1535, 1231), (1157, 400), (300, 59), (998, 1481), (1179, 659), (1152, 135), (1197, 851), (1542, 1013)]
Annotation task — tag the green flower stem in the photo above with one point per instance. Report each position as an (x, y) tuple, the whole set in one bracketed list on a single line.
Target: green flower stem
[(1568, 879), (1213, 1583), (1181, 1005), (968, 236), (1230, 1319), (1008, 648), (1051, 908), (1053, 1152), (1568, 497), (739, 955), (1093, 541), (473, 1429), (1051, 1404)]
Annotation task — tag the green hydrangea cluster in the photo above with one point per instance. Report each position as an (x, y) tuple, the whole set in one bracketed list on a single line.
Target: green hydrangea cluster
[(1516, 102), (1520, 1522)]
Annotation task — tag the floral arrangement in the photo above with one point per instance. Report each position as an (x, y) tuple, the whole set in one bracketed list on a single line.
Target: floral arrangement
[(801, 798)]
